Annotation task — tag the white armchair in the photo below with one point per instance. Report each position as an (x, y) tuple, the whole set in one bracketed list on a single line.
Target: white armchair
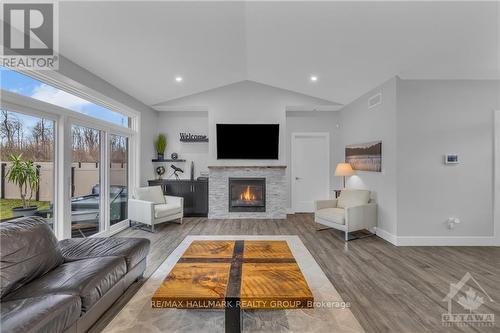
[(149, 206), (352, 211)]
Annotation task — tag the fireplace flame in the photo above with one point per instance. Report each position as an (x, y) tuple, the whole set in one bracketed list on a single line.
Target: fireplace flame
[(247, 195)]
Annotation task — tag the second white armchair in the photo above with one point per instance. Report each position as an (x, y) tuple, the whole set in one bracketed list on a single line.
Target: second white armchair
[(149, 206), (352, 211)]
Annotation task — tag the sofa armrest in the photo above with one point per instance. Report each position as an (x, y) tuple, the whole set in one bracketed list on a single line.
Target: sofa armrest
[(361, 217), (322, 204), (141, 211), (175, 200)]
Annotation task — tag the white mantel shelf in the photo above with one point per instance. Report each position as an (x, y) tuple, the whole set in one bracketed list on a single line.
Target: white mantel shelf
[(247, 166)]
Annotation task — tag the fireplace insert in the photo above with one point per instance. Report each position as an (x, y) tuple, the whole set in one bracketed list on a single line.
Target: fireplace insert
[(247, 194)]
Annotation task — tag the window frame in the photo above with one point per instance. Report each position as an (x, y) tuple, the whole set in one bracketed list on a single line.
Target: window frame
[(119, 226), (64, 119), (16, 108)]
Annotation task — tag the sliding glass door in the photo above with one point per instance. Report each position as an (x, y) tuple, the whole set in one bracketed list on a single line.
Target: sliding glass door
[(99, 197), (118, 178), (86, 215)]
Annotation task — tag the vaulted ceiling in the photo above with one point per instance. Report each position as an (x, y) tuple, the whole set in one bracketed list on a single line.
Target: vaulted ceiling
[(141, 47)]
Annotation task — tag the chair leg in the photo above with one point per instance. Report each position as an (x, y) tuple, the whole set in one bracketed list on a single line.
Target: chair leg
[(153, 228), (140, 226)]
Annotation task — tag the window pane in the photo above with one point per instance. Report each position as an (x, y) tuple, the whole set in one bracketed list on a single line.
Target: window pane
[(27, 86), (85, 181), (118, 178), (31, 138)]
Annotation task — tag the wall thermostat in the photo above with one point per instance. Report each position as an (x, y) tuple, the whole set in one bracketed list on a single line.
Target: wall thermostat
[(451, 159)]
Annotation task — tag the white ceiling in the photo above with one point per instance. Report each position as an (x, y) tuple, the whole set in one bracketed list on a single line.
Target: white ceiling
[(140, 47)]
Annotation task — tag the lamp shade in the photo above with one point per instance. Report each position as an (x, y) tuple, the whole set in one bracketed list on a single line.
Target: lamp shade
[(344, 169)]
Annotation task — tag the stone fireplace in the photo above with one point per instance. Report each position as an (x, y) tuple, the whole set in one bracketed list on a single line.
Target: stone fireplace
[(247, 192)]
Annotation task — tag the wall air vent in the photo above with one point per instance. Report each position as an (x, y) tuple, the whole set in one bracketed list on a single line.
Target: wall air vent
[(375, 100)]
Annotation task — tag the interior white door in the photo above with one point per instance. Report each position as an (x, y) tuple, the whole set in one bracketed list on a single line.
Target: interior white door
[(310, 169)]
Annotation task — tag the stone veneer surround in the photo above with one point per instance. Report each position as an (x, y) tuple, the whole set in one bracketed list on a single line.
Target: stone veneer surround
[(218, 191)]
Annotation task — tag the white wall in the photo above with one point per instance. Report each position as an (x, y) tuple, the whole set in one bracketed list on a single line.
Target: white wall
[(171, 124), (436, 117), (241, 102), (147, 151), (419, 121), (245, 102), (360, 124), (307, 121)]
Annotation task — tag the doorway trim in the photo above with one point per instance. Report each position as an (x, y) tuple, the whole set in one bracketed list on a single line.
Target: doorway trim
[(496, 176), (294, 136)]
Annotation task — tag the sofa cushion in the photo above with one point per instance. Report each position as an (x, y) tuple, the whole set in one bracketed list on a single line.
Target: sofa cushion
[(28, 249), (133, 250), (44, 314), (163, 210), (88, 278), (152, 194), (335, 215), (351, 198)]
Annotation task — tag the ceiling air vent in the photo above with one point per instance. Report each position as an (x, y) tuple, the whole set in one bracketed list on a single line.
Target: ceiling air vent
[(374, 100)]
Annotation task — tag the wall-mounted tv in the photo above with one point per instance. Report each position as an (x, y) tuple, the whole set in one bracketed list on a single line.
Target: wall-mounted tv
[(248, 141)]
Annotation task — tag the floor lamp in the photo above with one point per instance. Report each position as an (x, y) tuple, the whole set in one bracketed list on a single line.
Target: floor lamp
[(343, 170)]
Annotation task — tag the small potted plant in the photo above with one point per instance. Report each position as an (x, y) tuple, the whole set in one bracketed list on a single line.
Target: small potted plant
[(24, 175), (161, 145)]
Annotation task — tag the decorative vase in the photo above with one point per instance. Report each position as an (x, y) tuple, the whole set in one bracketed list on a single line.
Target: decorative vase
[(160, 156)]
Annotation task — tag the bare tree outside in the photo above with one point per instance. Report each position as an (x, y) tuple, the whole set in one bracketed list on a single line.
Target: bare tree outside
[(118, 149), (31, 139), (85, 144), (35, 142)]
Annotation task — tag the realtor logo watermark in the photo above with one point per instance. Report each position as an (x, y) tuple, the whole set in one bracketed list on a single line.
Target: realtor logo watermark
[(471, 297), (30, 38)]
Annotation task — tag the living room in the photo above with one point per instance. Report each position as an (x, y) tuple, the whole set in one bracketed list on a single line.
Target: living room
[(250, 166)]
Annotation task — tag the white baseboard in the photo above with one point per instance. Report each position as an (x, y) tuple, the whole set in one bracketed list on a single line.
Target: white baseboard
[(437, 240), (290, 211), (387, 236), (446, 241)]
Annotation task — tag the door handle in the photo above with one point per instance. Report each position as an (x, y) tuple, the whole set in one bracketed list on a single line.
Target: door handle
[(297, 178)]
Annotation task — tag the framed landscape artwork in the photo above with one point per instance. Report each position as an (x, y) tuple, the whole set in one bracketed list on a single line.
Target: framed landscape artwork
[(365, 156)]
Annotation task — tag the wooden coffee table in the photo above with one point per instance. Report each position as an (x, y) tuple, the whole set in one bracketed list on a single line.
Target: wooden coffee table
[(234, 276)]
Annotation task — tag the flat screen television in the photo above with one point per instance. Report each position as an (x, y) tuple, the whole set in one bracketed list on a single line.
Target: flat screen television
[(248, 141)]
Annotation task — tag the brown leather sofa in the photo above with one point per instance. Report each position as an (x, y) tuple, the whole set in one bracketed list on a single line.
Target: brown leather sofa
[(51, 286)]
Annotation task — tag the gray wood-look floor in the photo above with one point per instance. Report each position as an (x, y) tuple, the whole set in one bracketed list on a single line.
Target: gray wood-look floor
[(391, 289)]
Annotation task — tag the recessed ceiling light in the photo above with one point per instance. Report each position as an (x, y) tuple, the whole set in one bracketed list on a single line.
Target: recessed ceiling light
[(314, 78), (178, 79)]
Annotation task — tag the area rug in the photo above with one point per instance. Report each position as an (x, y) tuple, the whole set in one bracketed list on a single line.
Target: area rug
[(330, 314)]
